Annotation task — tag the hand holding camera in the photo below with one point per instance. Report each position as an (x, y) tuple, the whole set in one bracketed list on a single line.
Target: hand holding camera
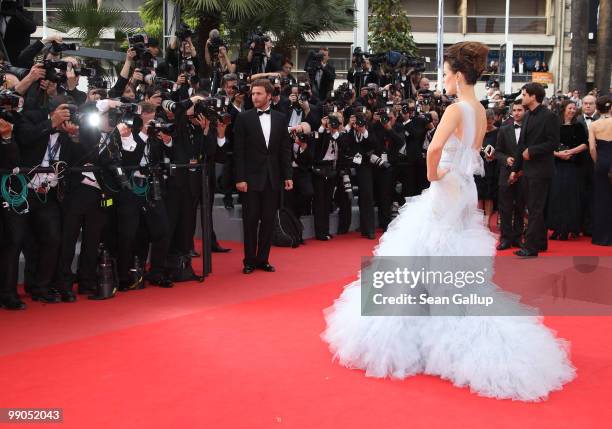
[(6, 129), (60, 115)]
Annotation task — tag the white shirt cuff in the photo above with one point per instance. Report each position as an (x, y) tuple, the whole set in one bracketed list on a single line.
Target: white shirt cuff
[(169, 144), (128, 143), (220, 141)]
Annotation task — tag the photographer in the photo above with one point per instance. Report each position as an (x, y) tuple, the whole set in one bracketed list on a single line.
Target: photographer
[(300, 109), (85, 210), (325, 172), (384, 156), (216, 57), (181, 58), (361, 75), (413, 175), (142, 144), (124, 75), (299, 198), (16, 25), (44, 138), (260, 57), (359, 144), (9, 242), (322, 74)]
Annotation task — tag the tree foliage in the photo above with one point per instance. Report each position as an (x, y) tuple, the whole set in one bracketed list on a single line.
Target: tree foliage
[(390, 28)]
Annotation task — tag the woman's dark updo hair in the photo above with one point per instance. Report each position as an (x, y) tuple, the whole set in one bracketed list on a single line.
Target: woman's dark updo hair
[(469, 58), (604, 103)]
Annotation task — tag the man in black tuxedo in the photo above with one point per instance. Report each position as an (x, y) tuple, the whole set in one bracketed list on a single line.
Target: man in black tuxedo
[(534, 158), (585, 163), (511, 197), (262, 154)]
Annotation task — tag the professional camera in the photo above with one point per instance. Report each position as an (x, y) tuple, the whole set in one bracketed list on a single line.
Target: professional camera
[(342, 95), (57, 48), (187, 66), (303, 91), (361, 120), (85, 72), (334, 122), (55, 71), (9, 101), (215, 42), (384, 116), (144, 58), (155, 126), (214, 109), (376, 160), (183, 32), (127, 113), (314, 62), (242, 87), (346, 183), (259, 39)]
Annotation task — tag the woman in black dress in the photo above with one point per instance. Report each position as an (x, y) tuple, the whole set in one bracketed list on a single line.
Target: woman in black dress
[(487, 184), (564, 211), (600, 145)]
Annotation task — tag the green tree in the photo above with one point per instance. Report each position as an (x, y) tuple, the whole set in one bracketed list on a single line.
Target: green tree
[(87, 20), (293, 22), (390, 28)]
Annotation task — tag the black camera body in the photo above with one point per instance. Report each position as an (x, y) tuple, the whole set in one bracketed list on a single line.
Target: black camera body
[(214, 109), (52, 74), (183, 32), (259, 39), (127, 113), (157, 125), (9, 101), (215, 44), (334, 122), (57, 48)]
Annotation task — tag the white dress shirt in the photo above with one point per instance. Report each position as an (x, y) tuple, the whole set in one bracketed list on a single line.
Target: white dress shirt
[(49, 178), (517, 132), (332, 148), (266, 124)]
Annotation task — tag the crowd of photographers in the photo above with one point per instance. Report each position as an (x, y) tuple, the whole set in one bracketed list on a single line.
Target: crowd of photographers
[(122, 166)]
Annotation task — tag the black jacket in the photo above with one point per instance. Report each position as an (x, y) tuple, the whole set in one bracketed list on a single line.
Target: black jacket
[(505, 147), (540, 135), (255, 163)]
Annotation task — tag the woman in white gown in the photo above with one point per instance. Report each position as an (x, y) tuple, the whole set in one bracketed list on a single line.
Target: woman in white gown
[(505, 357)]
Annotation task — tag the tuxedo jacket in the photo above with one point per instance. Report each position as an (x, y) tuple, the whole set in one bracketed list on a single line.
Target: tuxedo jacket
[(254, 162), (505, 147), (540, 135)]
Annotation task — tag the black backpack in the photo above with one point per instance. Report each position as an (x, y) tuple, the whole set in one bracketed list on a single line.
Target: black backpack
[(287, 228)]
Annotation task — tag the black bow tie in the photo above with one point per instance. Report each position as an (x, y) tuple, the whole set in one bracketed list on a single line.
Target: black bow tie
[(516, 126), (588, 118), (263, 112)]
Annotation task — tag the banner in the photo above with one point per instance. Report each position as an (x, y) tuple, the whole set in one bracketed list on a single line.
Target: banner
[(541, 77)]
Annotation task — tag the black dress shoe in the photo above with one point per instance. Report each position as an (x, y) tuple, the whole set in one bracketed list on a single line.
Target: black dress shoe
[(517, 244), (524, 253), (46, 297), (266, 267), (160, 281), (323, 237), (371, 236), (67, 296), (194, 254), (86, 291), (504, 245), (248, 269), (218, 249), (13, 303)]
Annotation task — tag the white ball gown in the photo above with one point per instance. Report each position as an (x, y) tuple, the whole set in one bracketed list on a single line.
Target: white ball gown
[(504, 357)]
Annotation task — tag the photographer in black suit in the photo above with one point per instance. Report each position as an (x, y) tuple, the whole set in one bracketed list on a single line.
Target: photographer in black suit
[(511, 197), (535, 160), (262, 153)]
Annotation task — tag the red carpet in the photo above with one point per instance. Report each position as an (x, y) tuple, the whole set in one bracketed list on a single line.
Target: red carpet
[(244, 352)]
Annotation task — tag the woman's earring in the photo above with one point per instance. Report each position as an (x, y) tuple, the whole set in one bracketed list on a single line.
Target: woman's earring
[(458, 89)]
